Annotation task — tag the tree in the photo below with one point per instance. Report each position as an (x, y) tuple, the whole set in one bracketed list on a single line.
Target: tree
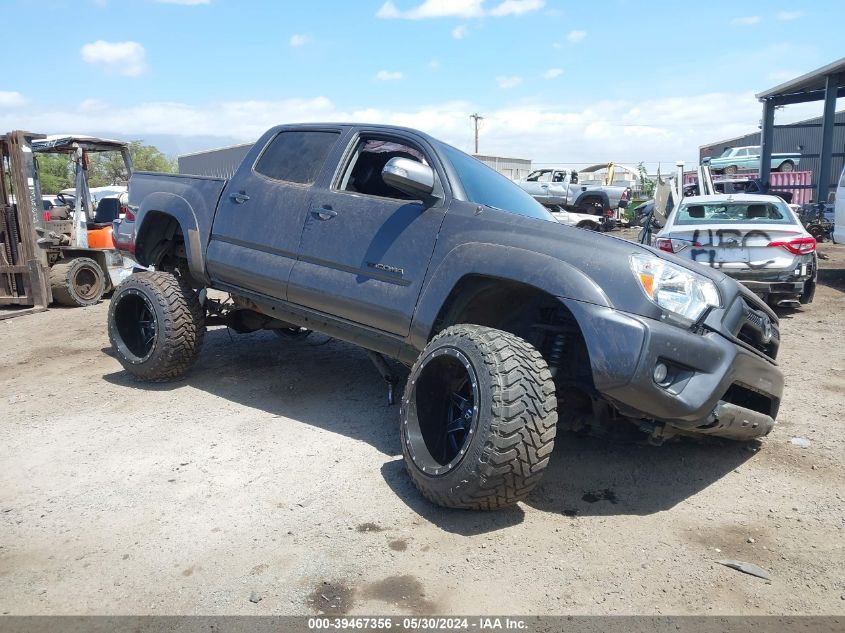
[(646, 183), (108, 168), (54, 172)]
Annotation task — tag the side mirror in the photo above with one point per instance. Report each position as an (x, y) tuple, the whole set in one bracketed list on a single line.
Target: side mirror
[(409, 176)]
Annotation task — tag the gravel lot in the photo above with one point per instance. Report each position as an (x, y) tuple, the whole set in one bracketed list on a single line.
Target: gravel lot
[(269, 481)]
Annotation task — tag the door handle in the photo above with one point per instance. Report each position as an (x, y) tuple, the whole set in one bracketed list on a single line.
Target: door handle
[(325, 213), (239, 198)]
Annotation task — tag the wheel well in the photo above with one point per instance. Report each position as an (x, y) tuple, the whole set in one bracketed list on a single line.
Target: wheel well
[(530, 313), (160, 239)]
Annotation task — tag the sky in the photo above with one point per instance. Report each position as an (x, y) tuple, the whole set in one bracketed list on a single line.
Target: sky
[(557, 82)]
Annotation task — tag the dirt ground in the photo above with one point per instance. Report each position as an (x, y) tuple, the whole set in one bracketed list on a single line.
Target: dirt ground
[(270, 481)]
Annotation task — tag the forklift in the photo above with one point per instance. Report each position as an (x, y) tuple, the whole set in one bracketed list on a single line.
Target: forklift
[(62, 253)]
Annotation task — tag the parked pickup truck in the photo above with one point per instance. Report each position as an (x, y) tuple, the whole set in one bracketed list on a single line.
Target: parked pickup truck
[(561, 187), (735, 158), (512, 324)]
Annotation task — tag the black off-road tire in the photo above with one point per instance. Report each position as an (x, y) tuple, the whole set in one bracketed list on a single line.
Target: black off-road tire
[(77, 282), (177, 325), (514, 421)]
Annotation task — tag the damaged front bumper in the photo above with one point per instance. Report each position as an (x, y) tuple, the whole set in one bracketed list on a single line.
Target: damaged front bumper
[(695, 383)]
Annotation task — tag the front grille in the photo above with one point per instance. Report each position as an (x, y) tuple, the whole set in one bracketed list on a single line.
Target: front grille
[(757, 329)]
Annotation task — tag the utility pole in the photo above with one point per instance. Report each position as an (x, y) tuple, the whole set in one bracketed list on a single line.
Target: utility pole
[(476, 118)]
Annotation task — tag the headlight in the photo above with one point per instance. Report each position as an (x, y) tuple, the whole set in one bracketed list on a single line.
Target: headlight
[(674, 288)]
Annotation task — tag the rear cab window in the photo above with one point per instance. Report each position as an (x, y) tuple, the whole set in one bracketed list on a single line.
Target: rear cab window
[(733, 213), (296, 156)]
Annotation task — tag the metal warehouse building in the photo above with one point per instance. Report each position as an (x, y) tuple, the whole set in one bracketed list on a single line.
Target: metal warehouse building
[(804, 137), (219, 163)]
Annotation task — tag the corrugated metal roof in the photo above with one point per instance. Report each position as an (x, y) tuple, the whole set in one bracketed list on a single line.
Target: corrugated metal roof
[(809, 82)]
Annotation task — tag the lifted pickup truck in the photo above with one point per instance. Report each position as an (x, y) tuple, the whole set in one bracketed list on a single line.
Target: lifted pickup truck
[(512, 323)]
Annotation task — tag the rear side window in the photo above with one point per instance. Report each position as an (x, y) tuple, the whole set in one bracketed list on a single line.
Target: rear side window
[(296, 156)]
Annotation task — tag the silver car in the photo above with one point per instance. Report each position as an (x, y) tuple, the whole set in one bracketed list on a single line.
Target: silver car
[(757, 240)]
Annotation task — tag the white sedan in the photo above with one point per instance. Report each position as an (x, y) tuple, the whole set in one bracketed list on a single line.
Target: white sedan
[(757, 240)]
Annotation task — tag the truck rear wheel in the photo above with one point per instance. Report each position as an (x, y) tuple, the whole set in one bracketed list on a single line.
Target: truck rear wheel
[(77, 282), (478, 418), (156, 325)]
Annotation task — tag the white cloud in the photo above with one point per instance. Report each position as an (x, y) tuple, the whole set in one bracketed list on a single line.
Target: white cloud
[(299, 39), (460, 31), (11, 99), (551, 73), (187, 3), (749, 20), (786, 16), (517, 7), (457, 9), (122, 58), (387, 75), (433, 9), (624, 131), (576, 36), (508, 81)]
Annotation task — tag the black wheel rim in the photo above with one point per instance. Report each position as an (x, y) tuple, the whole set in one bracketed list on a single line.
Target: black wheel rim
[(136, 325), (442, 411)]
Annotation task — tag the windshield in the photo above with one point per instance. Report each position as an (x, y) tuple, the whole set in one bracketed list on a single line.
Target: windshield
[(486, 186), (727, 151), (734, 213)]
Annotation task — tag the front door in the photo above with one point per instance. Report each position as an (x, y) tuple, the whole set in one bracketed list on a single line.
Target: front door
[(366, 246), (255, 236)]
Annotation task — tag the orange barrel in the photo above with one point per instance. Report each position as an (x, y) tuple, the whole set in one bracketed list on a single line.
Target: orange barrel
[(100, 238)]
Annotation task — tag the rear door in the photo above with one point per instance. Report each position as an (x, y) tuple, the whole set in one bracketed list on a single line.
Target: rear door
[(365, 246), (255, 236)]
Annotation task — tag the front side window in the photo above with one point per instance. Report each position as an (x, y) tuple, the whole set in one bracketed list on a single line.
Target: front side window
[(541, 175), (734, 213), (486, 186), (363, 173), (296, 156)]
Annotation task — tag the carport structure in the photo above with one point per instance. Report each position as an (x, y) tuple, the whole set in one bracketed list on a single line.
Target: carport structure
[(824, 84)]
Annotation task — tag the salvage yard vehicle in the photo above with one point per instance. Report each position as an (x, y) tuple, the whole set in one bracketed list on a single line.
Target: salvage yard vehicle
[(838, 233), (512, 324), (733, 159), (755, 239), (581, 220), (561, 187)]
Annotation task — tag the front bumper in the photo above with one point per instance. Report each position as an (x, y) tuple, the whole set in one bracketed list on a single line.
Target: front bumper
[(706, 372)]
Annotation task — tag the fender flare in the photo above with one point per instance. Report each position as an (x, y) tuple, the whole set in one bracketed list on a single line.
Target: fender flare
[(508, 263), (180, 210)]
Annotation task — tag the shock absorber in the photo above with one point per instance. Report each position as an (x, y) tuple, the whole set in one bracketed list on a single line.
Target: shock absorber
[(556, 352)]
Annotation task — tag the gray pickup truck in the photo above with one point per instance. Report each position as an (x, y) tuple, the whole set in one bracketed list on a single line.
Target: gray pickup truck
[(562, 187), (512, 324)]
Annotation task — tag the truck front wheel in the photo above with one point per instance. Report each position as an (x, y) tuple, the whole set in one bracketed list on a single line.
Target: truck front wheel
[(478, 418), (156, 325)]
